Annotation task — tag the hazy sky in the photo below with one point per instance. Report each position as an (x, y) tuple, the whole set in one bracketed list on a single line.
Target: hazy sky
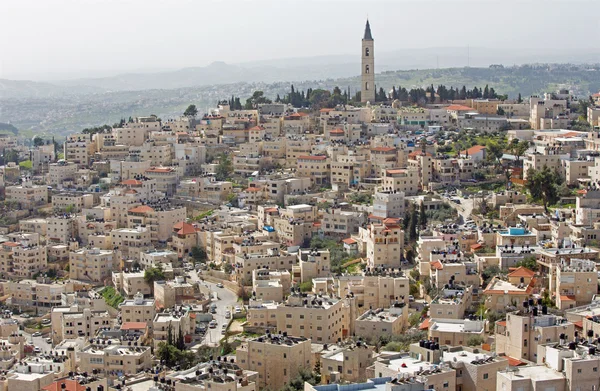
[(61, 38)]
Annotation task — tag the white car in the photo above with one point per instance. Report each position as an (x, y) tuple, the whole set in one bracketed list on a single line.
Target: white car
[(212, 324), (238, 310), (37, 349), (219, 285), (227, 314), (36, 334)]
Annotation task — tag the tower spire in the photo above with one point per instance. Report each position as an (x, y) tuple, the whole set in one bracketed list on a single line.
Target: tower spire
[(368, 35)]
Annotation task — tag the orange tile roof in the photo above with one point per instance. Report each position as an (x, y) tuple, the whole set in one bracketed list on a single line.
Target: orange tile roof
[(259, 127), (141, 209), (424, 325), (396, 171), (298, 114), (567, 298), (458, 108), (572, 134), (134, 325), (184, 228), (501, 323), (349, 241), (337, 131), (11, 244), (476, 246), (325, 110), (131, 191), (391, 220), (437, 265), (131, 182), (70, 385), (578, 324), (473, 150), (253, 189), (521, 272), (514, 362), (418, 153), (312, 157), (160, 169), (271, 210)]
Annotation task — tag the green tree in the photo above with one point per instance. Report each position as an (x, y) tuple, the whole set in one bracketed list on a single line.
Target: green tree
[(38, 141), (413, 223), (500, 111), (224, 168), (528, 262), (153, 274), (518, 148), (198, 254), (542, 185), (519, 98), (257, 98), (422, 216), (191, 111)]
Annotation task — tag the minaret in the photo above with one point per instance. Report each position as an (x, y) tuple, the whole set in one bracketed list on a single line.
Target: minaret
[(367, 89)]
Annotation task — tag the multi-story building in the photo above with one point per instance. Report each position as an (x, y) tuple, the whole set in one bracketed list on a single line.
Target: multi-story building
[(277, 358), (404, 180), (322, 319), (169, 293), (131, 241), (452, 302), (31, 294), (27, 195), (61, 172), (215, 376), (455, 332), (158, 217), (271, 285), (574, 284), (75, 322), (347, 362), (245, 264), (79, 149), (388, 204), (384, 244), (28, 260), (138, 309), (106, 359), (92, 264), (317, 168), (174, 321), (314, 264), (375, 323), (130, 283), (72, 202)]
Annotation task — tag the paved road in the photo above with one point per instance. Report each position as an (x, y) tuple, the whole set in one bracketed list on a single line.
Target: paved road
[(227, 301), (465, 207), (38, 341)]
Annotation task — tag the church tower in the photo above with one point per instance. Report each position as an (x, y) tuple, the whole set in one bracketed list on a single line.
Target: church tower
[(367, 93)]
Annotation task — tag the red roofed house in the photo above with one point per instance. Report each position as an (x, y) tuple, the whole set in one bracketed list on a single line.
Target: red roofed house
[(476, 153), (350, 246), (159, 221), (185, 237)]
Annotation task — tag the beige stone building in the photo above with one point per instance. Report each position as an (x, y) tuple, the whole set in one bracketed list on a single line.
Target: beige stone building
[(384, 244), (92, 264), (277, 358), (79, 149), (317, 168), (106, 359), (401, 180), (28, 260), (158, 217), (184, 236), (74, 322), (574, 284), (455, 332), (131, 241), (138, 309), (130, 283), (271, 285), (177, 291), (314, 264), (27, 195), (215, 376), (247, 263), (475, 369), (347, 362), (375, 323), (178, 320)]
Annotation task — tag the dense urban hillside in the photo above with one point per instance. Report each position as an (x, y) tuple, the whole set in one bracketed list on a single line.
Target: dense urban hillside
[(61, 110)]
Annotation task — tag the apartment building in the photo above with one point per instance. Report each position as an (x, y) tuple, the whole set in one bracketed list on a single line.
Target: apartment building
[(520, 335), (153, 257), (455, 332), (130, 283), (131, 241), (184, 237), (215, 375), (322, 319), (401, 180), (452, 302), (79, 149), (247, 263), (380, 322), (375, 289), (271, 285), (159, 217), (389, 204), (28, 260), (384, 244), (171, 292), (29, 376), (61, 172), (314, 264), (277, 358), (74, 322), (138, 309), (31, 294), (317, 168), (92, 264), (346, 361), (341, 223), (177, 320), (60, 229), (475, 369), (72, 202), (574, 284), (167, 178), (106, 359)]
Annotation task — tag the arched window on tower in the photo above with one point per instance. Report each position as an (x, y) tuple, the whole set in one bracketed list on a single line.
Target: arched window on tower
[(366, 86), (367, 68), (366, 52)]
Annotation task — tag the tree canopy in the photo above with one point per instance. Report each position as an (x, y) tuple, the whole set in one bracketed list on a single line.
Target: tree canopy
[(191, 111), (543, 185)]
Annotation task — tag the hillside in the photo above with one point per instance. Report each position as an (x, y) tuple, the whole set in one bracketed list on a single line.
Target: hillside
[(63, 113)]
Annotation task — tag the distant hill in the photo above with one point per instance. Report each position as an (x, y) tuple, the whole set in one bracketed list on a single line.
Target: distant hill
[(4, 128), (48, 108)]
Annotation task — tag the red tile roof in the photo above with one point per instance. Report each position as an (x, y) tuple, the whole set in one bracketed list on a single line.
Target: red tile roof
[(418, 153), (578, 324), (271, 210), (160, 169), (522, 272), (396, 171), (424, 325), (501, 323), (134, 325), (131, 182), (458, 108), (476, 246), (70, 385), (326, 110), (349, 241), (11, 244), (514, 362), (437, 265), (184, 228), (337, 131), (141, 209), (473, 150)]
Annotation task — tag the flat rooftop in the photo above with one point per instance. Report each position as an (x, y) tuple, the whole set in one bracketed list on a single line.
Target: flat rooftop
[(536, 372)]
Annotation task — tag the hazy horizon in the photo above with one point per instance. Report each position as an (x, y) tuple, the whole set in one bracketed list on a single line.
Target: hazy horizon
[(66, 39)]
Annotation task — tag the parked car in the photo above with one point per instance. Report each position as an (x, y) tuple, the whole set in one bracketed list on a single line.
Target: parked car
[(219, 285), (49, 340), (227, 314), (36, 334), (37, 349), (411, 298), (238, 310), (212, 324)]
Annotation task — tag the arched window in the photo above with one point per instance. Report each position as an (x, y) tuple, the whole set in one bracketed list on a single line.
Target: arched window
[(367, 86), (367, 68), (366, 52)]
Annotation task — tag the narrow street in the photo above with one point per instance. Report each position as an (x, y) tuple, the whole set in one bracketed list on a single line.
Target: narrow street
[(226, 301)]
